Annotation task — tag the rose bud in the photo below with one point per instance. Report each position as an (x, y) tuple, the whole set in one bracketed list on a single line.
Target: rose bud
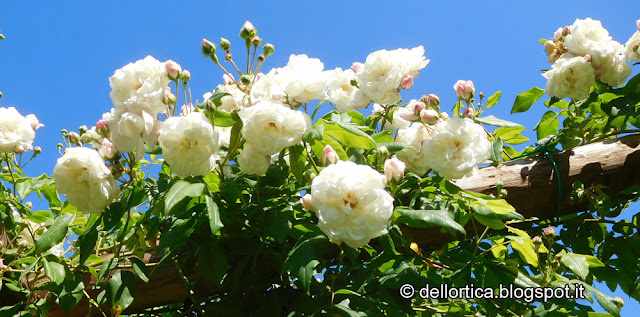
[(549, 232), (102, 127), (208, 49), (107, 149), (356, 66), (172, 69), (407, 82), (74, 137), (394, 169), (429, 116), (248, 31), (19, 149), (185, 76), (330, 155), (225, 44), (37, 150), (168, 99), (432, 100), (464, 89), (256, 40), (28, 204), (268, 49), (468, 113)]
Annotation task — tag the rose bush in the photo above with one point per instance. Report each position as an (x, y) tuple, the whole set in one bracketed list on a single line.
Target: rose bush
[(278, 191)]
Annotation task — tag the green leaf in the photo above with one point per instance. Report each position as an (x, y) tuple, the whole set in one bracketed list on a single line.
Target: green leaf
[(496, 152), (429, 218), (494, 224), (181, 190), (140, 268), (72, 291), (525, 248), (493, 99), (525, 100), (314, 133), (500, 206), (350, 136), (106, 268), (302, 259), (56, 233), (393, 146), (297, 160), (223, 119), (54, 271), (548, 125), (122, 289), (214, 215), (576, 263), (87, 243), (213, 262), (491, 120), (607, 302), (593, 261)]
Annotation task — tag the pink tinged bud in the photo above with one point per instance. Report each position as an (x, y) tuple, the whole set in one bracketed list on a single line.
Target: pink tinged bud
[(307, 202), (468, 113), (433, 100), (102, 127), (228, 80), (186, 109), (172, 69), (587, 58), (394, 169), (259, 75), (19, 149), (429, 116), (74, 137), (329, 155), (107, 149), (35, 123), (464, 89), (1, 264), (549, 232), (37, 150), (566, 31), (356, 66), (407, 82)]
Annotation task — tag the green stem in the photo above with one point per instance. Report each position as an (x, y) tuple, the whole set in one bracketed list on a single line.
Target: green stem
[(188, 286)]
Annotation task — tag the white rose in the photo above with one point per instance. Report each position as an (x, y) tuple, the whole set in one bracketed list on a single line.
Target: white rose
[(610, 63), (584, 35), (631, 50), (570, 77), (271, 126), (82, 176), (15, 131), (413, 136), (252, 161), (189, 144), (339, 91), (382, 73), (304, 78), (107, 149), (269, 87), (140, 86), (351, 203), (234, 101), (456, 147), (394, 169)]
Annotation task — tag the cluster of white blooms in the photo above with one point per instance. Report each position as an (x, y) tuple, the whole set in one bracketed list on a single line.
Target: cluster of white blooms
[(351, 203), (456, 147), (270, 126), (576, 48), (81, 175), (32, 230), (413, 136), (137, 92), (339, 91), (17, 132), (383, 72), (189, 144), (300, 81)]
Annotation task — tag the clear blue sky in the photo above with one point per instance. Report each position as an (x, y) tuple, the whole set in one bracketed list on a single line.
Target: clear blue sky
[(57, 56)]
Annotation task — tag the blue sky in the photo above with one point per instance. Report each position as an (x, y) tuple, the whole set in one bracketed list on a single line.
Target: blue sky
[(57, 56)]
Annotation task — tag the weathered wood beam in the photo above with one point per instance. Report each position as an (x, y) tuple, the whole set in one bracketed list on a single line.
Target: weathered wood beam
[(532, 183)]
